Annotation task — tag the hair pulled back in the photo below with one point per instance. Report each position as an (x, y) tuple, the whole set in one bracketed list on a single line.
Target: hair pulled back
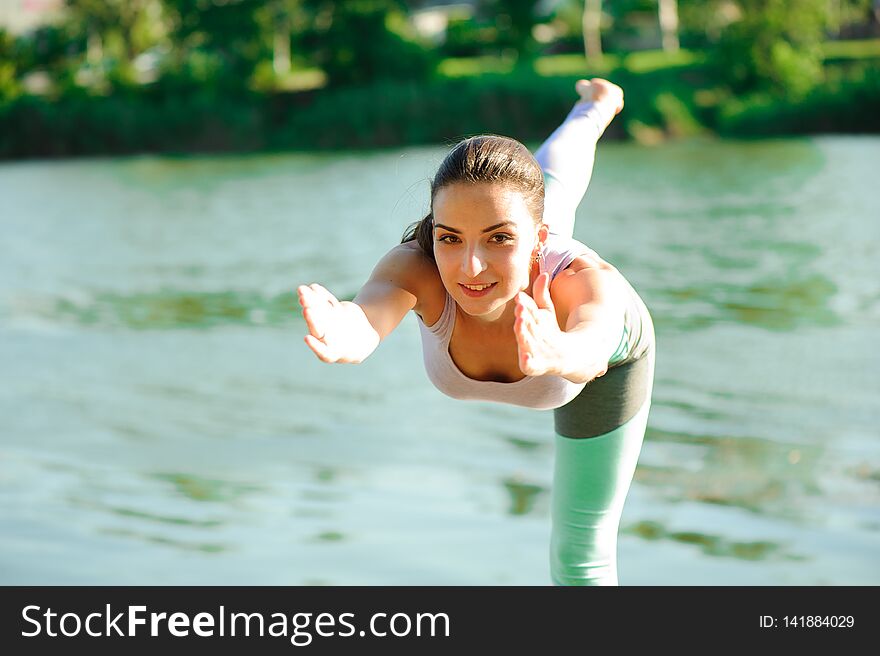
[(483, 159)]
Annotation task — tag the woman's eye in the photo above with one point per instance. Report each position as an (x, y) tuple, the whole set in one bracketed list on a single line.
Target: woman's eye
[(495, 239)]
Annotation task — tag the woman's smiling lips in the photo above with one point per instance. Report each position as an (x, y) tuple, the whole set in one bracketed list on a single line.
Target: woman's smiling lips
[(477, 290)]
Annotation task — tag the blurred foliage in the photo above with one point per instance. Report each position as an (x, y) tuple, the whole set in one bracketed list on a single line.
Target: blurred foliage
[(112, 33), (847, 102), (216, 44), (470, 36), (117, 76), (9, 84), (836, 51), (701, 22), (515, 20), (361, 41), (774, 46)]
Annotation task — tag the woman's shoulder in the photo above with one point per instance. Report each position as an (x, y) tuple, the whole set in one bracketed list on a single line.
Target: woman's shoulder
[(581, 272), (565, 255), (572, 255), (417, 273), (409, 259)]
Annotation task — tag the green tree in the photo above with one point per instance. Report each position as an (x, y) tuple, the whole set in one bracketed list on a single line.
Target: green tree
[(592, 28), (703, 21), (359, 41), (842, 13), (215, 42), (515, 20), (774, 46), (49, 48), (114, 32), (667, 14), (278, 21), (10, 64)]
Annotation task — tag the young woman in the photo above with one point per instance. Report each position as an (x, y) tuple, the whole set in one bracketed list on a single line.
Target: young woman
[(513, 310)]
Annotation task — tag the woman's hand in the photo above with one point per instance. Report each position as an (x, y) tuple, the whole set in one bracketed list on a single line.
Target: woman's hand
[(338, 330), (539, 340), (544, 348)]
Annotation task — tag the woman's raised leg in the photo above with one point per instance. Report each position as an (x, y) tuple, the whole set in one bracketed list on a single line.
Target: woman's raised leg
[(567, 155)]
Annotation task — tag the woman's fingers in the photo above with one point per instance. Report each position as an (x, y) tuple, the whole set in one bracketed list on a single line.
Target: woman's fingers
[(522, 333), (316, 322), (541, 292), (302, 294), (528, 326), (326, 322), (524, 352), (318, 305), (529, 362), (533, 329), (315, 294), (519, 330), (527, 309), (525, 344), (541, 301), (322, 294), (319, 348), (526, 303), (307, 297)]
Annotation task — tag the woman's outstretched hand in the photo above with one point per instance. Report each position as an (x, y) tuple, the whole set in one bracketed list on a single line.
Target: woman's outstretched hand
[(540, 342), (338, 330)]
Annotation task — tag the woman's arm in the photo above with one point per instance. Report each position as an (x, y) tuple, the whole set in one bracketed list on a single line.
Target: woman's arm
[(349, 331), (572, 327), (589, 300)]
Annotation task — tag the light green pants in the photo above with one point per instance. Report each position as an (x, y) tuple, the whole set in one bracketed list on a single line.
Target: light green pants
[(598, 439), (590, 483)]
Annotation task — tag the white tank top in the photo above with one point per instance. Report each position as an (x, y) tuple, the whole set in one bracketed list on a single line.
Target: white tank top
[(540, 392)]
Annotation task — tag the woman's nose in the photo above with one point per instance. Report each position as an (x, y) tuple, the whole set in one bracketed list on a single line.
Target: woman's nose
[(473, 264)]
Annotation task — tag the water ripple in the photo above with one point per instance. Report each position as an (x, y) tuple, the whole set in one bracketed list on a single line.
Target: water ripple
[(772, 305), (163, 310), (714, 545)]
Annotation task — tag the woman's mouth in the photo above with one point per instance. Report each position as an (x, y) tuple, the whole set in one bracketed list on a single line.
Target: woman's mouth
[(475, 291)]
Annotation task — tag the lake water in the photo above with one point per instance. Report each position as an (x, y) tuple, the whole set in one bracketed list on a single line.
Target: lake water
[(162, 422)]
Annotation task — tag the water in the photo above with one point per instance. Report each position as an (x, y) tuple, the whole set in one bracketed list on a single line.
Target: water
[(162, 422)]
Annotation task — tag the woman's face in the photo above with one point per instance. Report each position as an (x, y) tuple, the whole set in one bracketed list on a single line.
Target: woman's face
[(484, 242)]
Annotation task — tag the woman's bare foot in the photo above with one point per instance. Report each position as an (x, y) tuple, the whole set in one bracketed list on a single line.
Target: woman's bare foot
[(601, 92)]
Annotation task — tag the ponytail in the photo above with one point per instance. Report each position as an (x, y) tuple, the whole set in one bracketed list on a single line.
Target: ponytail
[(422, 232)]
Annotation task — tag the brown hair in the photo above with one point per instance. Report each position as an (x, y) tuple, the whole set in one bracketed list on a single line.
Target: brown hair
[(484, 158)]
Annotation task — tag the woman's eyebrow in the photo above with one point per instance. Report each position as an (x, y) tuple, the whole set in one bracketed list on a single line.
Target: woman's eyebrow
[(489, 229)]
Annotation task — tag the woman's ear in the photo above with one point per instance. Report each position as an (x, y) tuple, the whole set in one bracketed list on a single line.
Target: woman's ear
[(543, 233)]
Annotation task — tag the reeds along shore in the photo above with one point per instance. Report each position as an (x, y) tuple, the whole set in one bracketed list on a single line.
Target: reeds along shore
[(679, 99)]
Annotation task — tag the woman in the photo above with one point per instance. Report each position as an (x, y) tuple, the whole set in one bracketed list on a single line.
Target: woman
[(511, 309)]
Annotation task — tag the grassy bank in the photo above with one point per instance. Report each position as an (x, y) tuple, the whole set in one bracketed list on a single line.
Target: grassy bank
[(668, 96)]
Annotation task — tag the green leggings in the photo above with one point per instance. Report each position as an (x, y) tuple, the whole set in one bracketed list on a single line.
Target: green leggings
[(593, 472)]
